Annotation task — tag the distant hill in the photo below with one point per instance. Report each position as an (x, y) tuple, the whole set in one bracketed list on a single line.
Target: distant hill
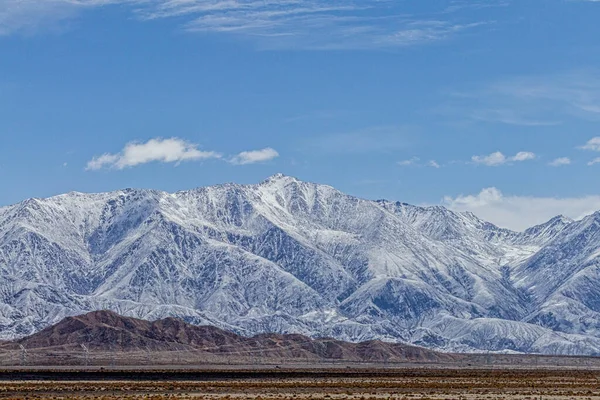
[(107, 331)]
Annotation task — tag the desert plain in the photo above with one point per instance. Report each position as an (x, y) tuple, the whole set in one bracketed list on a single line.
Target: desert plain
[(280, 383)]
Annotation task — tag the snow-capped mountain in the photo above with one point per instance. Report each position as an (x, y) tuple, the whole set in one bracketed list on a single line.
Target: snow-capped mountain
[(288, 256)]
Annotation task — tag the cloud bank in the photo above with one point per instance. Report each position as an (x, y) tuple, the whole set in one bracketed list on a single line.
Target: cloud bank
[(521, 212)]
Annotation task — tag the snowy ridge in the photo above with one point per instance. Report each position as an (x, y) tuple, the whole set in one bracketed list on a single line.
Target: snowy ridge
[(288, 256)]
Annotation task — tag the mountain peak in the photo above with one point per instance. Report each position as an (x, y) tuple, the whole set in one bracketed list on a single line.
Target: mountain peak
[(559, 221), (561, 218), (280, 180), (280, 177)]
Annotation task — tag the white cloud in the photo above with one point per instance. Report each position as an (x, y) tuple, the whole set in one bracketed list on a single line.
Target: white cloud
[(256, 156), (559, 162), (99, 162), (409, 162), (493, 159), (497, 159), (594, 161), (433, 164), (521, 212), (523, 156), (315, 24), (171, 150), (593, 144), (416, 162)]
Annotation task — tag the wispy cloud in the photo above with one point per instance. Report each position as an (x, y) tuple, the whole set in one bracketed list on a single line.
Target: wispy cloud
[(560, 162), (256, 156), (433, 164), (509, 117), (521, 212), (497, 159), (594, 161), (416, 162), (530, 100), (308, 24), (31, 16), (459, 5), (575, 93), (379, 139), (316, 115), (410, 162)]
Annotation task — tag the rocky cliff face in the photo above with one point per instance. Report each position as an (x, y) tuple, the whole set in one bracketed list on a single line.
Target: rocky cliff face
[(286, 256)]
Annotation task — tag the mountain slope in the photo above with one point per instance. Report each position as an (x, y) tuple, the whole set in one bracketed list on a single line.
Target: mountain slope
[(286, 256)]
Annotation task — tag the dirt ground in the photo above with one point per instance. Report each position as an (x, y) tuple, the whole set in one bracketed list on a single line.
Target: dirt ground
[(414, 384)]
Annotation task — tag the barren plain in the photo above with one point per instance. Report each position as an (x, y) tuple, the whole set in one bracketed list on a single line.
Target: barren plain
[(300, 384)]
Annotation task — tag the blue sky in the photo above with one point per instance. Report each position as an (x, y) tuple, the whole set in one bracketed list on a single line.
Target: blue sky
[(487, 106)]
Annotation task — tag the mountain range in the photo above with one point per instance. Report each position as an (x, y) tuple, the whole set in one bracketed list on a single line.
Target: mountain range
[(286, 256)]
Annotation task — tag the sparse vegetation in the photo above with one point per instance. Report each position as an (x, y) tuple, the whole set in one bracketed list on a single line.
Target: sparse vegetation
[(417, 384)]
